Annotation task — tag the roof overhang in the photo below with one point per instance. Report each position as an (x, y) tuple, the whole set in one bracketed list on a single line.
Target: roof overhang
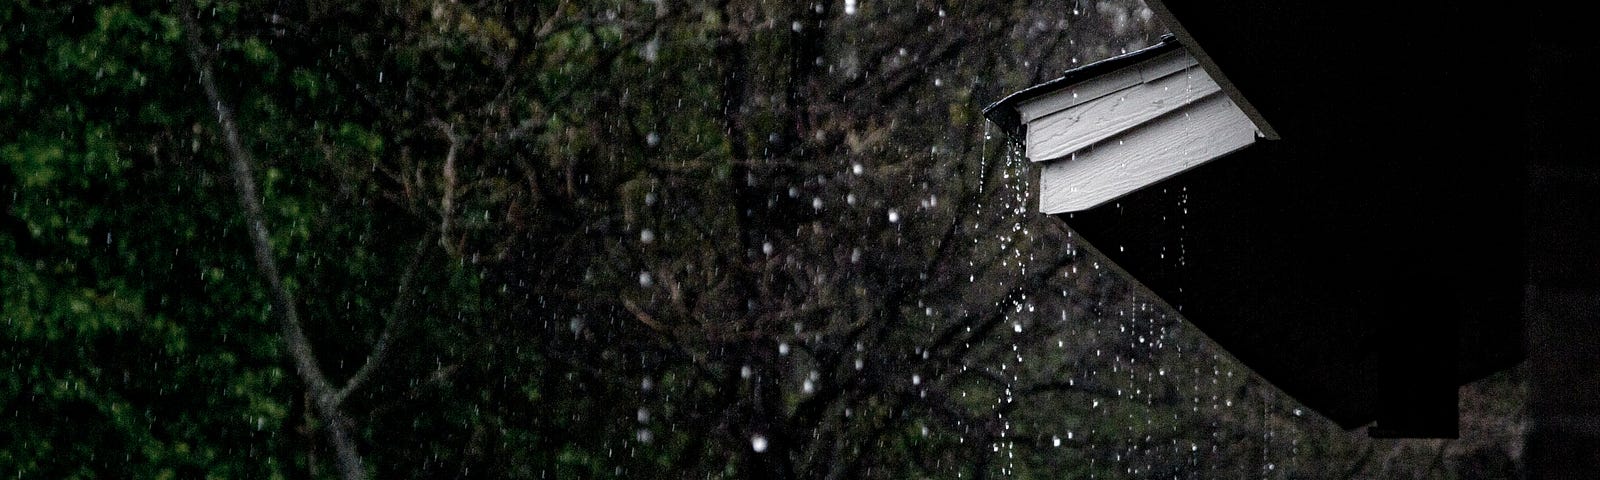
[(1366, 257)]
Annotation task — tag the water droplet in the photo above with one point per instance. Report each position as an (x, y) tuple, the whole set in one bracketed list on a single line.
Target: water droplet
[(857, 169), (916, 379), (646, 236), (1055, 440), (783, 348), (758, 443), (645, 280), (894, 216), (652, 139)]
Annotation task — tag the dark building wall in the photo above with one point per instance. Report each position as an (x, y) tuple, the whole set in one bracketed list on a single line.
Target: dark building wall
[(1563, 300)]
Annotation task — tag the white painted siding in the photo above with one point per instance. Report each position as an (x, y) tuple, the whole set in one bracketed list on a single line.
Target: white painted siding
[(1059, 134), (1116, 133), (1165, 147), (1102, 85)]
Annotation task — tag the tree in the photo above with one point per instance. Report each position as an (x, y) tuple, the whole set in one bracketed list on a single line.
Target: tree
[(578, 239)]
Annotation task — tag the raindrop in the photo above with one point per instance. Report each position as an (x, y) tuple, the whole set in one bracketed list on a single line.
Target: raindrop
[(857, 169), (894, 216), (1056, 441), (849, 7), (916, 379), (766, 247), (643, 415), (744, 372), (644, 435), (783, 348), (650, 198), (1016, 327), (645, 280), (646, 236), (758, 443), (651, 50), (816, 203), (653, 139), (850, 198)]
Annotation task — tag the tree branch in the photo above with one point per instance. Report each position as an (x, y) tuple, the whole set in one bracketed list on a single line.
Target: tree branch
[(397, 319), (283, 302), (447, 202)]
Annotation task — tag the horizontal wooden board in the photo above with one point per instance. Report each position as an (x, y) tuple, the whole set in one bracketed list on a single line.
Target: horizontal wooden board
[(1103, 85), (1180, 140), (1062, 133)]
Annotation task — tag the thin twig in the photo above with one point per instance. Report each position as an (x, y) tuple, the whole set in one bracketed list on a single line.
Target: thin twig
[(397, 319)]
